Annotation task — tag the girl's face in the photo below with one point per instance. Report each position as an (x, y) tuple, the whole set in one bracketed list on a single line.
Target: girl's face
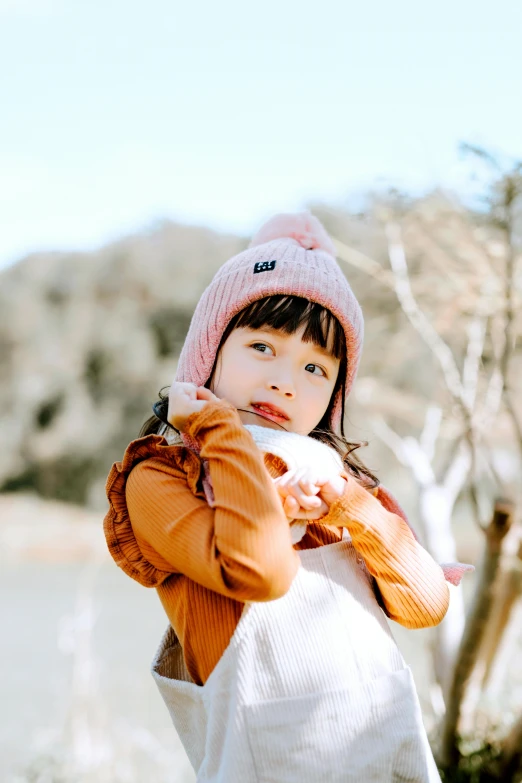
[(276, 375)]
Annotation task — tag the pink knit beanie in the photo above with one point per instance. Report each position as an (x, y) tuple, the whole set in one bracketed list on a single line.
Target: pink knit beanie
[(292, 255)]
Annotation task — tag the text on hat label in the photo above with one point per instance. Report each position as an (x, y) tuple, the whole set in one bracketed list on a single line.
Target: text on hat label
[(264, 266)]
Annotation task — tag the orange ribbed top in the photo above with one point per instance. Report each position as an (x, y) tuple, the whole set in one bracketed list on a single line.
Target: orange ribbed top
[(206, 562)]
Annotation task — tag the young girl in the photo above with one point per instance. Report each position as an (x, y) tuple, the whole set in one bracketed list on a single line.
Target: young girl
[(274, 551)]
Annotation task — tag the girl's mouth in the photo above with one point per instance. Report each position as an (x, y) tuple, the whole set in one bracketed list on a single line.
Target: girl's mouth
[(268, 413)]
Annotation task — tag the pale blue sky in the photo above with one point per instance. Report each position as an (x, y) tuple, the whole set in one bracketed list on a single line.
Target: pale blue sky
[(116, 113)]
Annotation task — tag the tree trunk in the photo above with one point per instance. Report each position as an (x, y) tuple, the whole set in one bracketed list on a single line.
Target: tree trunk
[(474, 631), (511, 753), (507, 595)]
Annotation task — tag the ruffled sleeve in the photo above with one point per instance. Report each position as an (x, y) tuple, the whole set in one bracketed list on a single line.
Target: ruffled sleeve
[(160, 523), (119, 534)]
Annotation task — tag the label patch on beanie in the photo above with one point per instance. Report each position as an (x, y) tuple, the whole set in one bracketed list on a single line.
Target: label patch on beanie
[(264, 266)]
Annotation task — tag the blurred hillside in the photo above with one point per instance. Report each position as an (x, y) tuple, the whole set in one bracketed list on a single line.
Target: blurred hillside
[(88, 339)]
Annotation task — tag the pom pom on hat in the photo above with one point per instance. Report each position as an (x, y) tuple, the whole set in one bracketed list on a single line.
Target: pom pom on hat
[(302, 227)]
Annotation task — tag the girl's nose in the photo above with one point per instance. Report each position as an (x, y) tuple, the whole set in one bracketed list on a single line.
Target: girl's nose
[(283, 387)]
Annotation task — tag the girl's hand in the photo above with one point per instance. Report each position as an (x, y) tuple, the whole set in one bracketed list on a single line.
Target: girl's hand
[(184, 399), (308, 495)]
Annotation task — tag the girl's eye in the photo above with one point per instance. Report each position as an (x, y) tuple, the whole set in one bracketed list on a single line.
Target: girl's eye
[(259, 347), (318, 368)]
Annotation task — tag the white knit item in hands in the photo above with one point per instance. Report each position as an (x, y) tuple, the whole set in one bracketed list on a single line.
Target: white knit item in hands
[(297, 451)]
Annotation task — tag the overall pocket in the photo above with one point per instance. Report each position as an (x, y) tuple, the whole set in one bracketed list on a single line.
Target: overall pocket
[(371, 733)]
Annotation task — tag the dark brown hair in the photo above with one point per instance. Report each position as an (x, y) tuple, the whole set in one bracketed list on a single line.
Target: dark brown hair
[(288, 314)]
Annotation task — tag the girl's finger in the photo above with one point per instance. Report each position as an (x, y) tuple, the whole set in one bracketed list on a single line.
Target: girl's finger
[(302, 490), (296, 511), (305, 501), (308, 486), (182, 386), (299, 478), (203, 393), (188, 390), (311, 514), (289, 484), (284, 481), (303, 513), (310, 481), (323, 509), (290, 507)]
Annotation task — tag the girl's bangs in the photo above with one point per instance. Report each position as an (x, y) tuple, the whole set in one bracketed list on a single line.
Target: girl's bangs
[(289, 314)]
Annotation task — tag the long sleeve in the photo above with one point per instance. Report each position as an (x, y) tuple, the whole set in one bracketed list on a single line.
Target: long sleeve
[(241, 548), (411, 583)]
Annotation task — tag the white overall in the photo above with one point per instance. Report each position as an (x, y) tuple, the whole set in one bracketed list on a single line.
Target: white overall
[(311, 688)]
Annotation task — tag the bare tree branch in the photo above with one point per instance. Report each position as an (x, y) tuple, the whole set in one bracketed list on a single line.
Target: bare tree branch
[(466, 148), (363, 262), (418, 319), (492, 400), (407, 450), (430, 432), (486, 263), (508, 402), (470, 372), (457, 472), (441, 350)]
